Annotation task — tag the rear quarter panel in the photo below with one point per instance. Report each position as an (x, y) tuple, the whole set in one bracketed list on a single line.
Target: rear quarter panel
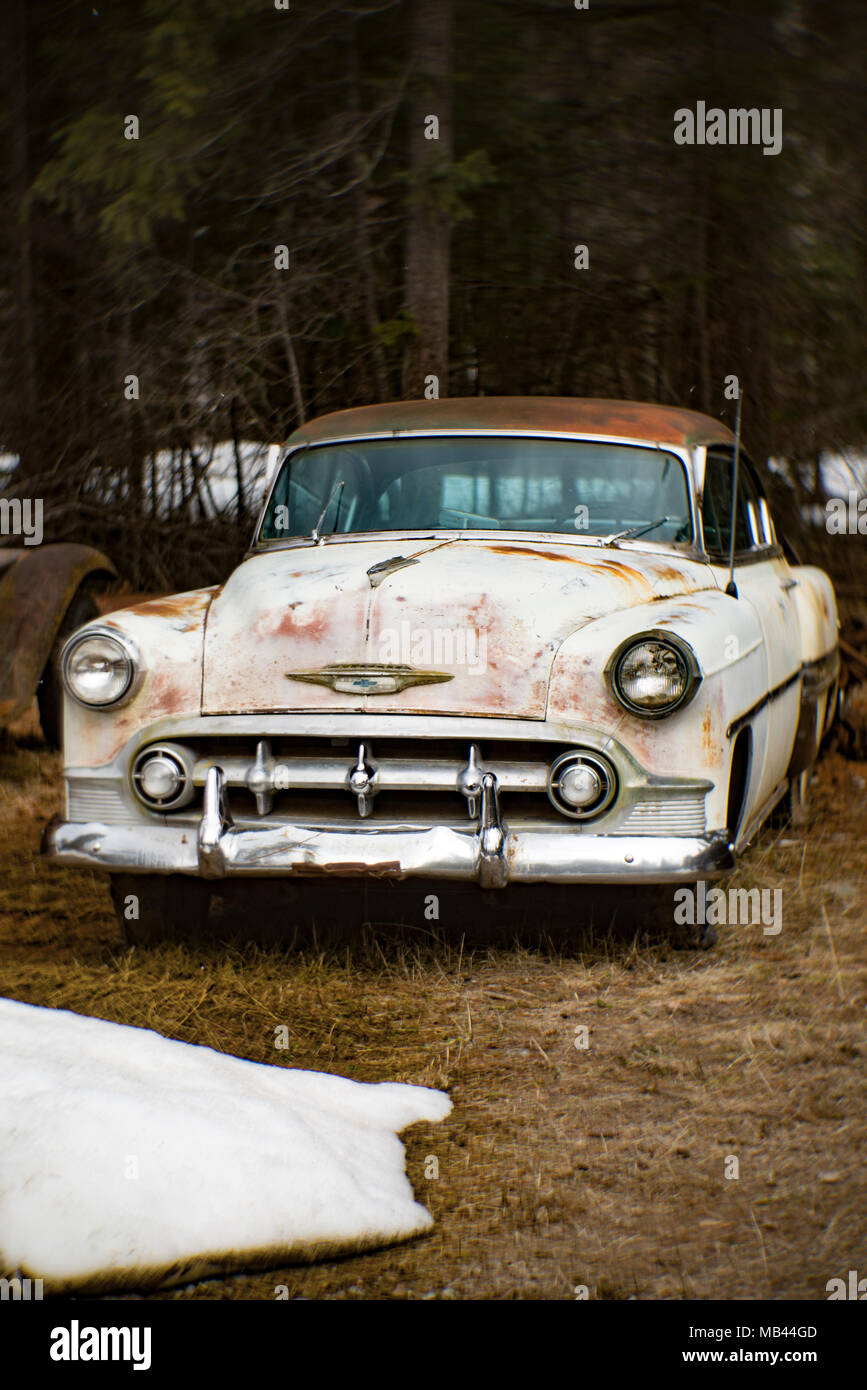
[(817, 612)]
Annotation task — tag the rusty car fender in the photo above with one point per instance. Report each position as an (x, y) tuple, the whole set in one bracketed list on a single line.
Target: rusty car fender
[(816, 605), (733, 679), (36, 587), (168, 633)]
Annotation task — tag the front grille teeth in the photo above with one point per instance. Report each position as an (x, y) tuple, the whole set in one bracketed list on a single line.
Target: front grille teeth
[(260, 778), (470, 781), (362, 780), (408, 781)]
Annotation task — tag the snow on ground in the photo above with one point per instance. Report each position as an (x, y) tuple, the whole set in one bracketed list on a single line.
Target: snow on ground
[(122, 1151)]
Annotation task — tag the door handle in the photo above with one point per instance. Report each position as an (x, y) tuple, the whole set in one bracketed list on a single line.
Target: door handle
[(788, 583)]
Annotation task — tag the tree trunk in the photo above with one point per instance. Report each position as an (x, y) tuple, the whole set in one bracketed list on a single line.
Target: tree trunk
[(16, 86), (241, 503), (292, 360), (429, 231), (363, 242)]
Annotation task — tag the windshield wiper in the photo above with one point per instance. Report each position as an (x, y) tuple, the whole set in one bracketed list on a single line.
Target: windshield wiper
[(636, 530), (338, 487)]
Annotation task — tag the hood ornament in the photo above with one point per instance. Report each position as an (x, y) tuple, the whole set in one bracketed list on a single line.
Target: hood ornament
[(384, 568), (364, 679), (377, 573)]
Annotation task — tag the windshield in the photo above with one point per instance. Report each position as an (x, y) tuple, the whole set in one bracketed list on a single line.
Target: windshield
[(447, 483)]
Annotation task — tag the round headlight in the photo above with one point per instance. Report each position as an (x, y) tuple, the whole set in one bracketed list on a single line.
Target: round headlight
[(653, 675), (98, 669)]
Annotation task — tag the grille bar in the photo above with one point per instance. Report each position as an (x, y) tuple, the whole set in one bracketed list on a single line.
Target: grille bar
[(392, 774)]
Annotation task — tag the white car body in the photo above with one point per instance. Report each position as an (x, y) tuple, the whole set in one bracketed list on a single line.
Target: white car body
[(390, 703)]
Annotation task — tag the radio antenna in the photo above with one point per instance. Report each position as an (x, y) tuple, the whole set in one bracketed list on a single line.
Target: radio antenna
[(731, 587)]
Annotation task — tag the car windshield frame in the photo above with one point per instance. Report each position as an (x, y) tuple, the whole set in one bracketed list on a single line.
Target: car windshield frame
[(680, 453)]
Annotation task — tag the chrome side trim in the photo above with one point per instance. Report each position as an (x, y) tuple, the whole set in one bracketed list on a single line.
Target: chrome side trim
[(815, 676), (778, 690)]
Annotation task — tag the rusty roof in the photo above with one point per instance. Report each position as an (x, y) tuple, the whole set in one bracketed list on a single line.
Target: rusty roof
[(658, 424)]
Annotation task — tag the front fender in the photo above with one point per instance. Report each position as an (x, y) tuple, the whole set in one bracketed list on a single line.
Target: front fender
[(169, 634), (693, 741)]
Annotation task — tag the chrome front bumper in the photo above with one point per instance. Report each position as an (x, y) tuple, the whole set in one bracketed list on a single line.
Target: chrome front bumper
[(490, 853)]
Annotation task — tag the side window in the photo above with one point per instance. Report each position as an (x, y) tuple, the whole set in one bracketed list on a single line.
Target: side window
[(751, 528)]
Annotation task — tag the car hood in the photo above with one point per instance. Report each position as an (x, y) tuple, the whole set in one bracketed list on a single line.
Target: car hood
[(460, 626)]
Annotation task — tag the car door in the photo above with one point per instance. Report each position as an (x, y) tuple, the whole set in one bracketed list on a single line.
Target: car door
[(764, 581)]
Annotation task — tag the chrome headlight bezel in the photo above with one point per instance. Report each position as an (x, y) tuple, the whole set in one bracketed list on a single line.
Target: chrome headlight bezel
[(685, 655), (608, 783), (185, 763), (127, 650)]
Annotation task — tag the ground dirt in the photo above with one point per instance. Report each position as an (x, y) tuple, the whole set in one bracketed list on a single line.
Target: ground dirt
[(560, 1166)]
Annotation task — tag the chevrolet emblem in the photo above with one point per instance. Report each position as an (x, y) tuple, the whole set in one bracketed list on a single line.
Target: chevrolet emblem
[(369, 680)]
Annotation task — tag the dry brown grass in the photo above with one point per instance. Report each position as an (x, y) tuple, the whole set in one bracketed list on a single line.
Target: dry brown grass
[(558, 1167)]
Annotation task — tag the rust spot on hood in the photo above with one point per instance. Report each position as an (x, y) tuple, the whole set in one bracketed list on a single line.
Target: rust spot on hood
[(183, 611), (608, 567), (533, 550), (616, 569), (679, 615), (706, 730), (171, 606), (711, 722), (166, 695)]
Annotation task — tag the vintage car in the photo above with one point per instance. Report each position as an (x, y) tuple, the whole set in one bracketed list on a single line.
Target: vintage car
[(486, 640), (46, 592)]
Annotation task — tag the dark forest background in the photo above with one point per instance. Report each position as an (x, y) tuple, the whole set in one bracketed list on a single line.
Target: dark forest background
[(262, 127)]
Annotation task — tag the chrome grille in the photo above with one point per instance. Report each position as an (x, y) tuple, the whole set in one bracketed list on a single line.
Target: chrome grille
[(407, 782), (414, 781)]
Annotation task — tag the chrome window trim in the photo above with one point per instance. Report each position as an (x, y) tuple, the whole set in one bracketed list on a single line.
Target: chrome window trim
[(759, 540), (767, 520)]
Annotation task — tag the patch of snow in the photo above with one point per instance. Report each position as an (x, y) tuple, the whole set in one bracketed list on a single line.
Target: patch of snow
[(840, 471), (126, 1157), (168, 477), (843, 472)]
